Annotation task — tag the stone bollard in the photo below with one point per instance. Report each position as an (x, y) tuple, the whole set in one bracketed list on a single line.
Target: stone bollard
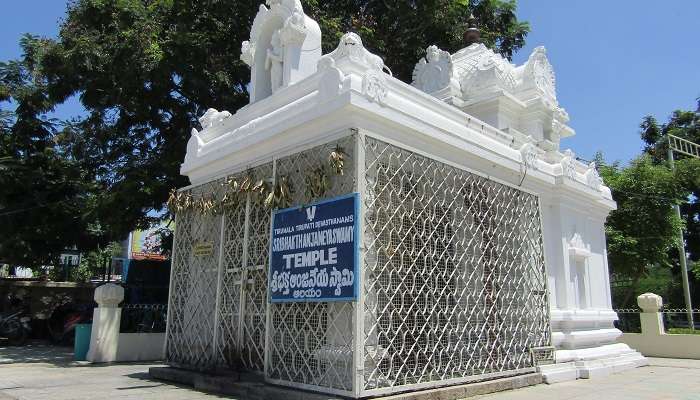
[(650, 317), (106, 321)]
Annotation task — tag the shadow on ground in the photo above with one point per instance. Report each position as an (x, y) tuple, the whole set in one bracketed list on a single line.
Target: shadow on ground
[(150, 383), (36, 352)]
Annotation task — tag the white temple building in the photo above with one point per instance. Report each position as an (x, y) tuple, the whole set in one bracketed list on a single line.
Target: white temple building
[(482, 250)]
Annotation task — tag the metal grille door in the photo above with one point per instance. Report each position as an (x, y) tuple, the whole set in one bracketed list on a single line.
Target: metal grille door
[(255, 280), (229, 308), (243, 287)]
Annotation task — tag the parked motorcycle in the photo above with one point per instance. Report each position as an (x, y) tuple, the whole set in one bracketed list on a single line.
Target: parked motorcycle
[(15, 324), (63, 319)]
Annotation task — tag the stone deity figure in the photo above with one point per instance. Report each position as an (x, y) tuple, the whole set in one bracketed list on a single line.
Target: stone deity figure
[(274, 62)]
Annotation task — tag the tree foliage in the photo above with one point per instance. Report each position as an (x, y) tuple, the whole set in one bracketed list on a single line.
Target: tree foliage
[(145, 70), (686, 125), (643, 232), (400, 30), (643, 228), (44, 189)]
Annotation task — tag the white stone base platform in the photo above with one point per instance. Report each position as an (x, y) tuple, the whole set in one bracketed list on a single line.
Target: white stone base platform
[(592, 363)]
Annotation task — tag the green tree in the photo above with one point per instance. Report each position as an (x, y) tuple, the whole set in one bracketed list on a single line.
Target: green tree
[(641, 233), (145, 70), (94, 263), (400, 30), (686, 125), (44, 192)]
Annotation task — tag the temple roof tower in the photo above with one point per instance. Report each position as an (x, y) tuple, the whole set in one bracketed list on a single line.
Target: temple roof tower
[(519, 100)]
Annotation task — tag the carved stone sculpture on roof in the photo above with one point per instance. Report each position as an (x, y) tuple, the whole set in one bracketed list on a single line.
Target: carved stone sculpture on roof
[(520, 100), (593, 179), (434, 72), (284, 47), (483, 71), (539, 75), (568, 164), (210, 119), (352, 55), (213, 117), (351, 51), (274, 62)]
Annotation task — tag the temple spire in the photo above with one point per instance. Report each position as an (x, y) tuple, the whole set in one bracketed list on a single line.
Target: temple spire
[(472, 35)]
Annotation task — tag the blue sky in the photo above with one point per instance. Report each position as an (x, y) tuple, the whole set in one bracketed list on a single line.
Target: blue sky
[(615, 61)]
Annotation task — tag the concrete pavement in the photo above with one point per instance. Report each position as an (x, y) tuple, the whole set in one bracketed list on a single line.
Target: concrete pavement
[(44, 372), (50, 374), (663, 379)]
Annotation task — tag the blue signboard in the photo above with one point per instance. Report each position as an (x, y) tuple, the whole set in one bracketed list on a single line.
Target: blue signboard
[(314, 252)]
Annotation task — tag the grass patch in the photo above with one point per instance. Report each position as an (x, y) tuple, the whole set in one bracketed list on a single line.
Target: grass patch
[(683, 331)]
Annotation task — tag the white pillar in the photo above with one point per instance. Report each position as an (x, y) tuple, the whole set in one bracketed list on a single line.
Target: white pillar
[(106, 321), (582, 319), (650, 317)]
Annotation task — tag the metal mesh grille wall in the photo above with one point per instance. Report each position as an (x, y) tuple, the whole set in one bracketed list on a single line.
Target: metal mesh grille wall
[(192, 306), (311, 343), (219, 302), (454, 279)]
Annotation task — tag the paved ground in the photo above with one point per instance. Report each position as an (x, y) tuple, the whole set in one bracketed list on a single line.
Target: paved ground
[(41, 372), (664, 379)]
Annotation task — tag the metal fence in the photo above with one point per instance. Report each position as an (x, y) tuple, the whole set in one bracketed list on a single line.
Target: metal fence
[(628, 320), (677, 318), (143, 318), (673, 318), (452, 283)]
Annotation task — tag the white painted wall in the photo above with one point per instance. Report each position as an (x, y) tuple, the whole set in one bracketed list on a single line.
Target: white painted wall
[(654, 341), (140, 347), (107, 344), (668, 346)]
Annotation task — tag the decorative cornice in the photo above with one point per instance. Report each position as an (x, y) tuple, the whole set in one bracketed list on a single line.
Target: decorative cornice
[(528, 156), (374, 86)]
